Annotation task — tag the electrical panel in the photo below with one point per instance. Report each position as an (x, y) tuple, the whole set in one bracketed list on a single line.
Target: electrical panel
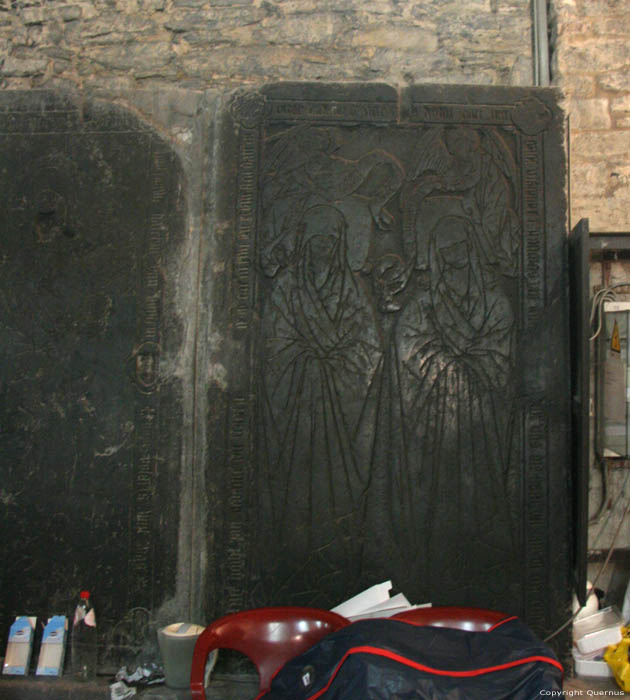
[(613, 381)]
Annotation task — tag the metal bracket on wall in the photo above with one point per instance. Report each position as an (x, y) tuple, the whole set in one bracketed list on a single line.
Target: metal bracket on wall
[(607, 245)]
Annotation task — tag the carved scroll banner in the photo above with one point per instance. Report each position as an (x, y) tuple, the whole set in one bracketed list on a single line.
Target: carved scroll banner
[(395, 344), (91, 216)]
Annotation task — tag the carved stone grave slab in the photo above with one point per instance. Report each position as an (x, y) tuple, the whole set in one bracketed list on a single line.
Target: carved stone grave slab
[(389, 285), (91, 424)]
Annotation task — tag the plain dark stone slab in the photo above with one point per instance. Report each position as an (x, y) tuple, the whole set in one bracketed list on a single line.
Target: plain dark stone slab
[(90, 409)]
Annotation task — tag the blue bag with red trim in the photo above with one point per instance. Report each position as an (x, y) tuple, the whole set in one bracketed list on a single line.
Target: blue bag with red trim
[(386, 659)]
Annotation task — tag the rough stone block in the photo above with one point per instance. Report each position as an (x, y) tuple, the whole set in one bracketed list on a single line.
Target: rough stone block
[(615, 80), (595, 8), (415, 39), (522, 71), (577, 85), (604, 214), (598, 179), (70, 13), (589, 113), (32, 15), (595, 56), (620, 108), (23, 67), (610, 145), (306, 30), (136, 57), (99, 26)]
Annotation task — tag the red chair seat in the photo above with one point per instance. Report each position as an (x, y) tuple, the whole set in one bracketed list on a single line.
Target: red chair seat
[(268, 636), (453, 617)]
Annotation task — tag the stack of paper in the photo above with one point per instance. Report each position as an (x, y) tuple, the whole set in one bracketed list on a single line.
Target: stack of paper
[(375, 602)]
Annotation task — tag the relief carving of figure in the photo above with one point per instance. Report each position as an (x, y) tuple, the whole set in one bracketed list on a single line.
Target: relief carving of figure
[(304, 169), (321, 353), (455, 348), (455, 343), (388, 335)]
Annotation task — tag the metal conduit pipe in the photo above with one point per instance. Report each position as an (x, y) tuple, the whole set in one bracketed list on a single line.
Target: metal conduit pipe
[(541, 43)]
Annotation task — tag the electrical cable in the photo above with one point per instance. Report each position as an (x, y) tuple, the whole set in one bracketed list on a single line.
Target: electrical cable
[(601, 296), (603, 467), (620, 495), (599, 299), (597, 577)]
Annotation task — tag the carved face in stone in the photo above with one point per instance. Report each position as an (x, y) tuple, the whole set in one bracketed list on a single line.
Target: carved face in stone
[(50, 215), (322, 244), (145, 368), (453, 257), (321, 251)]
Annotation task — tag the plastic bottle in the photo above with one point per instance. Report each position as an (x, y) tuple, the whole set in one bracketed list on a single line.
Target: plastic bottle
[(84, 649)]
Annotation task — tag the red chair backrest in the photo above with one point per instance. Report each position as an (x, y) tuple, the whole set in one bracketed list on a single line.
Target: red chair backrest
[(470, 619), (268, 636)]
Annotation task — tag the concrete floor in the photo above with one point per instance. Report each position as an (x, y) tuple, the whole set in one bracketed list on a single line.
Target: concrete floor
[(592, 687), (225, 688)]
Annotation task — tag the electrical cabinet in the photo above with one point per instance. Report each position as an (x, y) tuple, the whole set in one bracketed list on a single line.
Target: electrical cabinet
[(614, 381)]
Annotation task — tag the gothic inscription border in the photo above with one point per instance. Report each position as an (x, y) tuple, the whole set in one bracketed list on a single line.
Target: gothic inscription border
[(527, 121)]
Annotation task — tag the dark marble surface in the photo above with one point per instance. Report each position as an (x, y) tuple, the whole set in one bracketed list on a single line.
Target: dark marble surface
[(91, 412), (374, 383), (395, 401)]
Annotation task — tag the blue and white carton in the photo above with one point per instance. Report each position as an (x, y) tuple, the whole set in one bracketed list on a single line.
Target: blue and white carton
[(52, 651), (20, 646)]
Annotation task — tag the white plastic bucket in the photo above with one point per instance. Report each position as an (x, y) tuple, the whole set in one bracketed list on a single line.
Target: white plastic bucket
[(177, 643)]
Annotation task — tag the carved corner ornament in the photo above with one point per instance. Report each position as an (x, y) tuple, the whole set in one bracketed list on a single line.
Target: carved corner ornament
[(531, 116), (247, 108)]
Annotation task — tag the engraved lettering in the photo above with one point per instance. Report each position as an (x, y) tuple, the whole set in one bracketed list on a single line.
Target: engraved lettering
[(534, 253), (381, 283)]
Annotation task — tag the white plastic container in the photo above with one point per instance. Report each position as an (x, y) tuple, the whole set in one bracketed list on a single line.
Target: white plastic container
[(597, 631), (177, 644), (591, 665)]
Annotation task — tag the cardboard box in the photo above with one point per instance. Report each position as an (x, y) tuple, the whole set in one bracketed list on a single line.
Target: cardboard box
[(20, 646), (53, 649)]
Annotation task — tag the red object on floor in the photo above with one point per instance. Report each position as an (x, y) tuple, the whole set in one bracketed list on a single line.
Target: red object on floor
[(268, 636), (453, 617)]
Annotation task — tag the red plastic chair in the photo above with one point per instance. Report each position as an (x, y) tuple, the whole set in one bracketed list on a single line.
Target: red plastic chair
[(470, 619), (268, 636)]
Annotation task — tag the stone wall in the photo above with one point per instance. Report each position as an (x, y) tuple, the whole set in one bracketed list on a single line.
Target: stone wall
[(200, 44), (142, 50), (226, 43), (592, 65)]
